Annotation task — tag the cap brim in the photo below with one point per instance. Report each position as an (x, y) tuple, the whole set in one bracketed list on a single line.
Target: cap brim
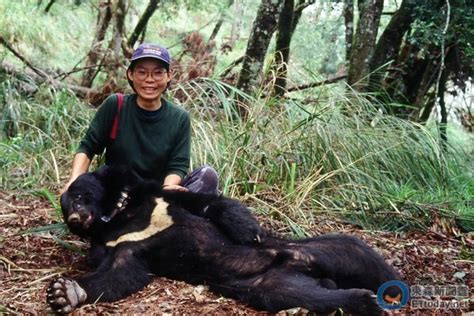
[(150, 56)]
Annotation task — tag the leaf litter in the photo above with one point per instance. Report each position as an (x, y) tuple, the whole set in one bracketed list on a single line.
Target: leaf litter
[(28, 263)]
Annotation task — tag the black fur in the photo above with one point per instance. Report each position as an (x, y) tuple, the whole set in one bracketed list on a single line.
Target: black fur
[(210, 240)]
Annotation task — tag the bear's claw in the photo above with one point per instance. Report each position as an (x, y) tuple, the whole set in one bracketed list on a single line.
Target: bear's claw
[(64, 295)]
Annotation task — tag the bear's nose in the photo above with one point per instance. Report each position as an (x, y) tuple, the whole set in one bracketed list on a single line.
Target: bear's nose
[(74, 218)]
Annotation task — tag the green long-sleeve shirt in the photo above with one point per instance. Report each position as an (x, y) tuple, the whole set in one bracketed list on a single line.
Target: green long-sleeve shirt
[(152, 144)]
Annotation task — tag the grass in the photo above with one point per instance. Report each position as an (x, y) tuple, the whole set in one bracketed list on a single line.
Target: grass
[(327, 150), (49, 40), (38, 135), (341, 155), (295, 160)]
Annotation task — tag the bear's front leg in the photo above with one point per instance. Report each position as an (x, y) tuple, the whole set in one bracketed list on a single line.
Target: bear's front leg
[(119, 275), (65, 295)]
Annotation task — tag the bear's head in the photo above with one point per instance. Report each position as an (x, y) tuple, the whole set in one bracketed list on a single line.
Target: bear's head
[(94, 198)]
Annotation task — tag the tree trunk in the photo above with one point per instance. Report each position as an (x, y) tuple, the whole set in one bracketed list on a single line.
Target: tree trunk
[(417, 93), (282, 49), (442, 108), (390, 41), (48, 7), (260, 36), (407, 82), (105, 15), (219, 22), (141, 25), (429, 79), (300, 6), (349, 24), (120, 13), (229, 43), (117, 43), (216, 28), (363, 48)]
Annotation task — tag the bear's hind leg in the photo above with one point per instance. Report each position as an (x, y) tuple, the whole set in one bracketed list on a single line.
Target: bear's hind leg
[(347, 260), (282, 289)]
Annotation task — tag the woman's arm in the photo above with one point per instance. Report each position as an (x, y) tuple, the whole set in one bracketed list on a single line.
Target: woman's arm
[(80, 165)]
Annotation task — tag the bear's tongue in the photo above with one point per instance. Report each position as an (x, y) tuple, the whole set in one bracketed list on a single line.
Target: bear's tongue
[(87, 221)]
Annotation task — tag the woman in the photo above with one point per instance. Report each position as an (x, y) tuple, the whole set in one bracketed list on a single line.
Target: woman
[(153, 136)]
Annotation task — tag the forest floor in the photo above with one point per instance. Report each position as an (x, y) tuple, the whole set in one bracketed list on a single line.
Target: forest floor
[(28, 263)]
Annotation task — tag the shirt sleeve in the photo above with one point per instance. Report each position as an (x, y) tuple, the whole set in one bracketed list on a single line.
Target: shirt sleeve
[(97, 135), (180, 155)]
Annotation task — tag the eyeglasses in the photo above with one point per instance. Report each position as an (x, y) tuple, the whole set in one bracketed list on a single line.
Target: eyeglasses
[(157, 74)]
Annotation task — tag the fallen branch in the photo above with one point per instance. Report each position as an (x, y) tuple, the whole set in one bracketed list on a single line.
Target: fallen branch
[(219, 22), (139, 28), (64, 75), (48, 7), (38, 75), (79, 91), (23, 59), (231, 66), (317, 84)]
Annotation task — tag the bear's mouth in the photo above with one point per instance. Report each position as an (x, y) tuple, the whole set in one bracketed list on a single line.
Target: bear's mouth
[(87, 223), (84, 220)]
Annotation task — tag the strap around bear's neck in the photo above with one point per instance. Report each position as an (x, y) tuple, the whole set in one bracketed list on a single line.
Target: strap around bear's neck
[(119, 207)]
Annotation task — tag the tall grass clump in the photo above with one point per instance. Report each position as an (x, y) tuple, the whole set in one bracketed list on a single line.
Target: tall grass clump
[(38, 135), (339, 155), (293, 159)]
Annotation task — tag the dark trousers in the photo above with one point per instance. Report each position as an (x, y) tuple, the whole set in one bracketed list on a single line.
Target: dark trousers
[(202, 180)]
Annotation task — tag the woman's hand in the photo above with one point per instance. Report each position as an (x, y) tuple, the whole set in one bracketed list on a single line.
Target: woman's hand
[(174, 187), (172, 182)]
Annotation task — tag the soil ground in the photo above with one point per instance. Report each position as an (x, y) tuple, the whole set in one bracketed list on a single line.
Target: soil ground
[(29, 261)]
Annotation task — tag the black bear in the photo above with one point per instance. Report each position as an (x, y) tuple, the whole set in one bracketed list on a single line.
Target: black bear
[(137, 230)]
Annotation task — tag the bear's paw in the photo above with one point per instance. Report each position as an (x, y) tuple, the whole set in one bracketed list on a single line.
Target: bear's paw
[(65, 295)]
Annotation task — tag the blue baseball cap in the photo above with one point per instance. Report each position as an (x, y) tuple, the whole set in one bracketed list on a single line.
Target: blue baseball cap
[(152, 51)]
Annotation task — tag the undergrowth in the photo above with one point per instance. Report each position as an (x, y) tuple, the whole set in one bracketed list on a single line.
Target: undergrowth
[(294, 159)]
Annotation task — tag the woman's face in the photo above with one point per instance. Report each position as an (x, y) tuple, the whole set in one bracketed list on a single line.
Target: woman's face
[(150, 78)]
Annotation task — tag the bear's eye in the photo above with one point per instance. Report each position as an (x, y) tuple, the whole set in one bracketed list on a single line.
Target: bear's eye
[(78, 197)]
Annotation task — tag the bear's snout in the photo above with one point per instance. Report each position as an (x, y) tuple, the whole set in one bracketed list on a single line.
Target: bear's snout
[(74, 218), (79, 219)]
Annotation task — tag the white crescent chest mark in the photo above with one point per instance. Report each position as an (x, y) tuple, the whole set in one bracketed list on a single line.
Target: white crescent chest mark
[(160, 220)]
